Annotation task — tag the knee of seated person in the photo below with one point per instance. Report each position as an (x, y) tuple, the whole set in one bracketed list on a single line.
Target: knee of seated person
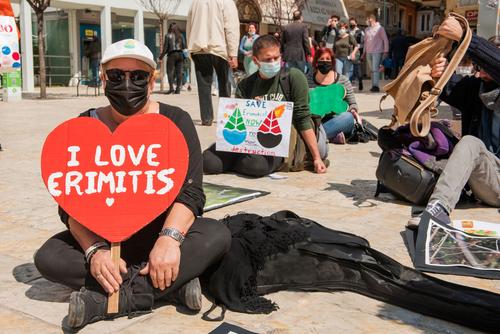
[(253, 166), (217, 237), (44, 261), (211, 163), (470, 143)]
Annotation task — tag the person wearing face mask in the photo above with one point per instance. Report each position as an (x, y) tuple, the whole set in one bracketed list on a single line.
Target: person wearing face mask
[(246, 48), (346, 49), (162, 260), (356, 71), (337, 127), (265, 85), (475, 160)]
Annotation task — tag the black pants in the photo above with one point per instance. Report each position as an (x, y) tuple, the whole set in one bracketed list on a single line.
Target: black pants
[(204, 65), (62, 260), (175, 61), (215, 162)]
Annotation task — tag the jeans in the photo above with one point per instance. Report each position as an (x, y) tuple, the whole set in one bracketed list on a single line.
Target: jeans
[(217, 162), (175, 62), (340, 123), (62, 260), (355, 73), (374, 60), (343, 66), (204, 65), (470, 163)]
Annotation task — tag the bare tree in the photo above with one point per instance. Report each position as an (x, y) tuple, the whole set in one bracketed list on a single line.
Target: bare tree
[(281, 11), (163, 9), (39, 6)]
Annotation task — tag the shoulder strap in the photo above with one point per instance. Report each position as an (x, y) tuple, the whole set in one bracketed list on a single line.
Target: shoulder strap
[(286, 87), (421, 115)]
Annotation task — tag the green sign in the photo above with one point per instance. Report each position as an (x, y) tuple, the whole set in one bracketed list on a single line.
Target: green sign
[(11, 79), (324, 100)]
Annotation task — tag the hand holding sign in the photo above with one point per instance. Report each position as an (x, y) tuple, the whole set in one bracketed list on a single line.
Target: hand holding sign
[(115, 183)]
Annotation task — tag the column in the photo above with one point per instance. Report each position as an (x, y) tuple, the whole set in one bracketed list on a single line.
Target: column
[(26, 47), (106, 29), (139, 26), (74, 34)]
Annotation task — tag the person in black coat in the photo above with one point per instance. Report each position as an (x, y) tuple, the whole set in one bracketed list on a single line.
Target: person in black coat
[(295, 43)]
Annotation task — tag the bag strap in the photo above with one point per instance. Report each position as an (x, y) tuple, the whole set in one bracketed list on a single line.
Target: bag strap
[(421, 115), (285, 84)]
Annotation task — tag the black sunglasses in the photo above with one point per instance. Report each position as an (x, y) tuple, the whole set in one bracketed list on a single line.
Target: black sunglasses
[(138, 77)]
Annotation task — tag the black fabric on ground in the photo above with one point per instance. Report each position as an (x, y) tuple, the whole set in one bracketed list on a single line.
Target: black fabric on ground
[(287, 252), (218, 162)]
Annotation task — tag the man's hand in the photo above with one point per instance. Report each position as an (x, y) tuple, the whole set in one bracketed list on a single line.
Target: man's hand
[(363, 57), (319, 166), (233, 62), (439, 65), (164, 260), (105, 272)]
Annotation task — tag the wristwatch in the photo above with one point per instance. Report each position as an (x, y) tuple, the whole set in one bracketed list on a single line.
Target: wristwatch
[(173, 233)]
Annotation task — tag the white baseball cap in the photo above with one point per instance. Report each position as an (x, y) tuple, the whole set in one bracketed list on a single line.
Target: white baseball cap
[(129, 48)]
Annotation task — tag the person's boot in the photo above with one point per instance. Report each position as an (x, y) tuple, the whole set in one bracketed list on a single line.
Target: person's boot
[(360, 85), (178, 90), (171, 90), (87, 306), (90, 304), (189, 295)]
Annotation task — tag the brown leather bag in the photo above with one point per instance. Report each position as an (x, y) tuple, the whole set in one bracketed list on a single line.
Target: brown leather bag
[(414, 90)]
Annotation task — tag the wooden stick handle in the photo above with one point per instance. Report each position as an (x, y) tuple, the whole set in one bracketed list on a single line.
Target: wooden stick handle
[(114, 299)]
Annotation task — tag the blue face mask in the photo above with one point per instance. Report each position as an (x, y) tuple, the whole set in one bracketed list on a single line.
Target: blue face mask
[(269, 70)]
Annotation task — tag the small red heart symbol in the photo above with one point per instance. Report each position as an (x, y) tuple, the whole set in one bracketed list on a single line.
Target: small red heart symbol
[(115, 183)]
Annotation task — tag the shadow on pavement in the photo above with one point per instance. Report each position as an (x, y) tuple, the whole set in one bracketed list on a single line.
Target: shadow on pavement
[(362, 192), (40, 288)]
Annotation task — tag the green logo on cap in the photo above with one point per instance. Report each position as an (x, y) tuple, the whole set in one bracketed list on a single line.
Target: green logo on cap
[(130, 44)]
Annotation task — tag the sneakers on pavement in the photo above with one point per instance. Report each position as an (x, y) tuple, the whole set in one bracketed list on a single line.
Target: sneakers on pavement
[(189, 295), (436, 210)]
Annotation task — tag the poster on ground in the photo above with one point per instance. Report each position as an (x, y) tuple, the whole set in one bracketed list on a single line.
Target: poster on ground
[(466, 247), (219, 195), (254, 126)]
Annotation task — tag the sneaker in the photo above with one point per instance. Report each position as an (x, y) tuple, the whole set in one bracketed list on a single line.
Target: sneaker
[(206, 123), (189, 295), (437, 211), (375, 89), (360, 87), (339, 139)]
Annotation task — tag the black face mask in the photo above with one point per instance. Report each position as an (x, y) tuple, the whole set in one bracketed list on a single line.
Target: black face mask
[(126, 97), (324, 66)]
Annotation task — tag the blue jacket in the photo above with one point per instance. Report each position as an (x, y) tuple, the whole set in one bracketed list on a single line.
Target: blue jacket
[(244, 40)]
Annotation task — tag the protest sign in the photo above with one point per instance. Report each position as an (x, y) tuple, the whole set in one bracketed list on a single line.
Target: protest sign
[(115, 183), (324, 100), (10, 59), (254, 126)]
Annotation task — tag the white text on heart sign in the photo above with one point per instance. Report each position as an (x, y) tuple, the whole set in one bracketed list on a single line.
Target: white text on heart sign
[(114, 181)]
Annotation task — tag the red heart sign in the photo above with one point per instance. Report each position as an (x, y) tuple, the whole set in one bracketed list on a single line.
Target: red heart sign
[(115, 183)]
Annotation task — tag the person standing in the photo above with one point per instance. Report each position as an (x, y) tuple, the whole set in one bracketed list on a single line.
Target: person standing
[(295, 43), (173, 48), (399, 48), (346, 49), (376, 48), (246, 48), (356, 71), (213, 39), (330, 32)]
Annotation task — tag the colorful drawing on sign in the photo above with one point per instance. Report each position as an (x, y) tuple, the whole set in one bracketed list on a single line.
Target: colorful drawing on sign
[(235, 131), (269, 134), (254, 126)]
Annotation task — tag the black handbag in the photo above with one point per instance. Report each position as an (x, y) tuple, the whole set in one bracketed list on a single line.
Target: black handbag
[(404, 177)]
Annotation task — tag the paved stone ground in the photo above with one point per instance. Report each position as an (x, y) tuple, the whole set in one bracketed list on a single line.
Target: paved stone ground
[(341, 199)]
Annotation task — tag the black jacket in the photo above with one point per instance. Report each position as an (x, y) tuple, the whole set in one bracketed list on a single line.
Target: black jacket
[(295, 42), (191, 194)]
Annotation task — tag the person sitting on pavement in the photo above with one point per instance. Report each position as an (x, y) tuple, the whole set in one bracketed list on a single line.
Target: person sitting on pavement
[(162, 260), (476, 158), (265, 85), (337, 127)]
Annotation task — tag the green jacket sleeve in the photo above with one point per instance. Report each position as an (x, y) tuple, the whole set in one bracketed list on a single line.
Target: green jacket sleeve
[(300, 97)]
